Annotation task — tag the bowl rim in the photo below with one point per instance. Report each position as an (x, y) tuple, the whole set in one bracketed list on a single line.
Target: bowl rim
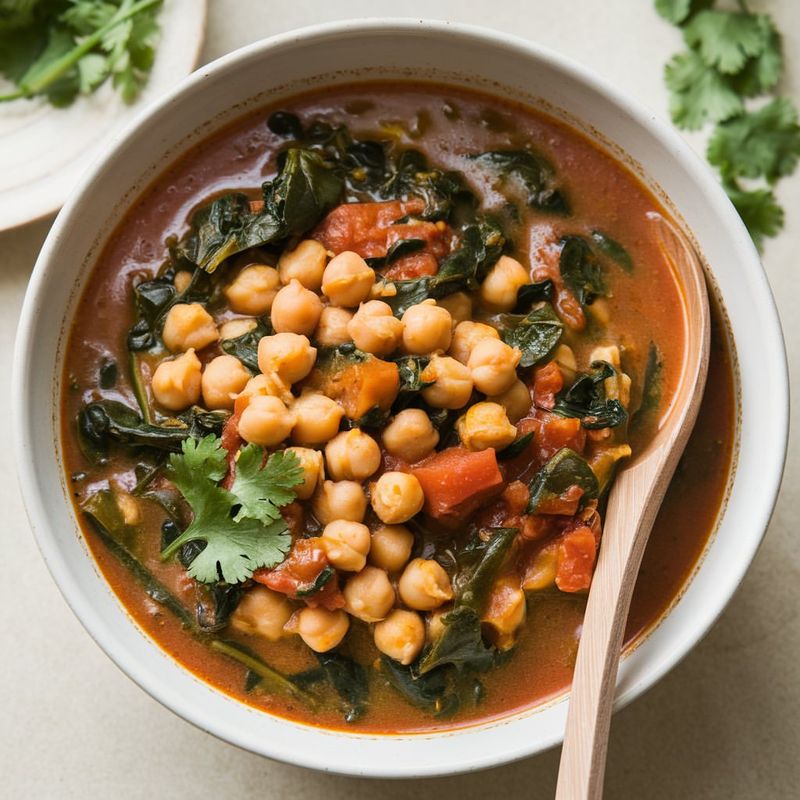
[(34, 503)]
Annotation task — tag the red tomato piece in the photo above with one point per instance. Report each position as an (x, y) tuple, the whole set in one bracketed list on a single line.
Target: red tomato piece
[(414, 265), (566, 504), (566, 304), (547, 383), (456, 482), (304, 564), (577, 552)]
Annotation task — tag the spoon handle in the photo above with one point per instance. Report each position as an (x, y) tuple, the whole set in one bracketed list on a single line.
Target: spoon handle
[(632, 508)]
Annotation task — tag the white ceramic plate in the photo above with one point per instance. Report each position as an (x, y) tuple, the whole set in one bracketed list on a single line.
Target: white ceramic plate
[(264, 73), (44, 151)]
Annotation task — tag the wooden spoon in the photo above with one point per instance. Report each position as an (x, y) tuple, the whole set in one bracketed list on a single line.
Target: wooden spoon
[(632, 507)]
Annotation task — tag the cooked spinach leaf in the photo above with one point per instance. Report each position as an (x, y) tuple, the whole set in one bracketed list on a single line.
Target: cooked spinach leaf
[(111, 421), (515, 448), (306, 188), (272, 681), (349, 679), (580, 270), (481, 245), (460, 645), (586, 399), (535, 334), (478, 567), (564, 470), (651, 385), (436, 692), (102, 510), (284, 123), (223, 600), (532, 173), (245, 347), (613, 249), (533, 293)]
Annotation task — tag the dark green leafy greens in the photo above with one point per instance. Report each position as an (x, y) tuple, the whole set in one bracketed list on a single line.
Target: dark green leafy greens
[(586, 399), (581, 270), (106, 421), (245, 347), (535, 334), (564, 470), (60, 49), (531, 173), (613, 249)]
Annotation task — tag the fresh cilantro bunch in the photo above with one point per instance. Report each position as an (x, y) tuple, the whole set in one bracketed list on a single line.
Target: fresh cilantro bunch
[(62, 48), (735, 55), (242, 527)]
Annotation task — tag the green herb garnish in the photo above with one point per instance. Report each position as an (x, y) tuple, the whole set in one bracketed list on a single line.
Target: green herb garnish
[(60, 49), (733, 56), (242, 528)]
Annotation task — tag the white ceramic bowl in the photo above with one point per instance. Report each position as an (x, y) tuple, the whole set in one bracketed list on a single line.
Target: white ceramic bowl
[(265, 72)]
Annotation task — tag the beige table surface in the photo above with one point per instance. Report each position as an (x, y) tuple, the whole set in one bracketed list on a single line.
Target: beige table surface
[(725, 723)]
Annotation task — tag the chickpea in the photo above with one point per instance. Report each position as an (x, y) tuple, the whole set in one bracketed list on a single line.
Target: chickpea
[(321, 629), (410, 435), (466, 335), (176, 383), (266, 421), (459, 304), (391, 547), (347, 280), (424, 585), (498, 292), (396, 497), (541, 574), (223, 378), (188, 325), (369, 595), (288, 355), (485, 425), (262, 612), (128, 506), (505, 612), (339, 500), (234, 328), (434, 624), (332, 326), (270, 385), (305, 263), (452, 383), (400, 636), (318, 419), (346, 544), (567, 363), (493, 365), (427, 328), (516, 401), (253, 290), (312, 464), (374, 328), (182, 280), (296, 309), (352, 456)]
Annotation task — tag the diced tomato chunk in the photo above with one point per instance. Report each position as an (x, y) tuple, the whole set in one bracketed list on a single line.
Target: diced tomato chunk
[(565, 504), (577, 552), (566, 304), (414, 265), (547, 383), (231, 440), (304, 564), (551, 433), (457, 481), (370, 229)]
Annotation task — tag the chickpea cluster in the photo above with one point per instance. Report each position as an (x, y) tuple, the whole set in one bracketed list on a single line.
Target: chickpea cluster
[(316, 299)]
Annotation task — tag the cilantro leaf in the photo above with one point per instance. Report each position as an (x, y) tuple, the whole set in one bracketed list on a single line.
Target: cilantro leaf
[(234, 547), (698, 93), (263, 490), (764, 142), (762, 72), (726, 39), (758, 209), (677, 11)]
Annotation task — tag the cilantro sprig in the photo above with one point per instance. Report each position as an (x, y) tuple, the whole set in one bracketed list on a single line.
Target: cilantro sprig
[(242, 527), (62, 48), (732, 56)]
